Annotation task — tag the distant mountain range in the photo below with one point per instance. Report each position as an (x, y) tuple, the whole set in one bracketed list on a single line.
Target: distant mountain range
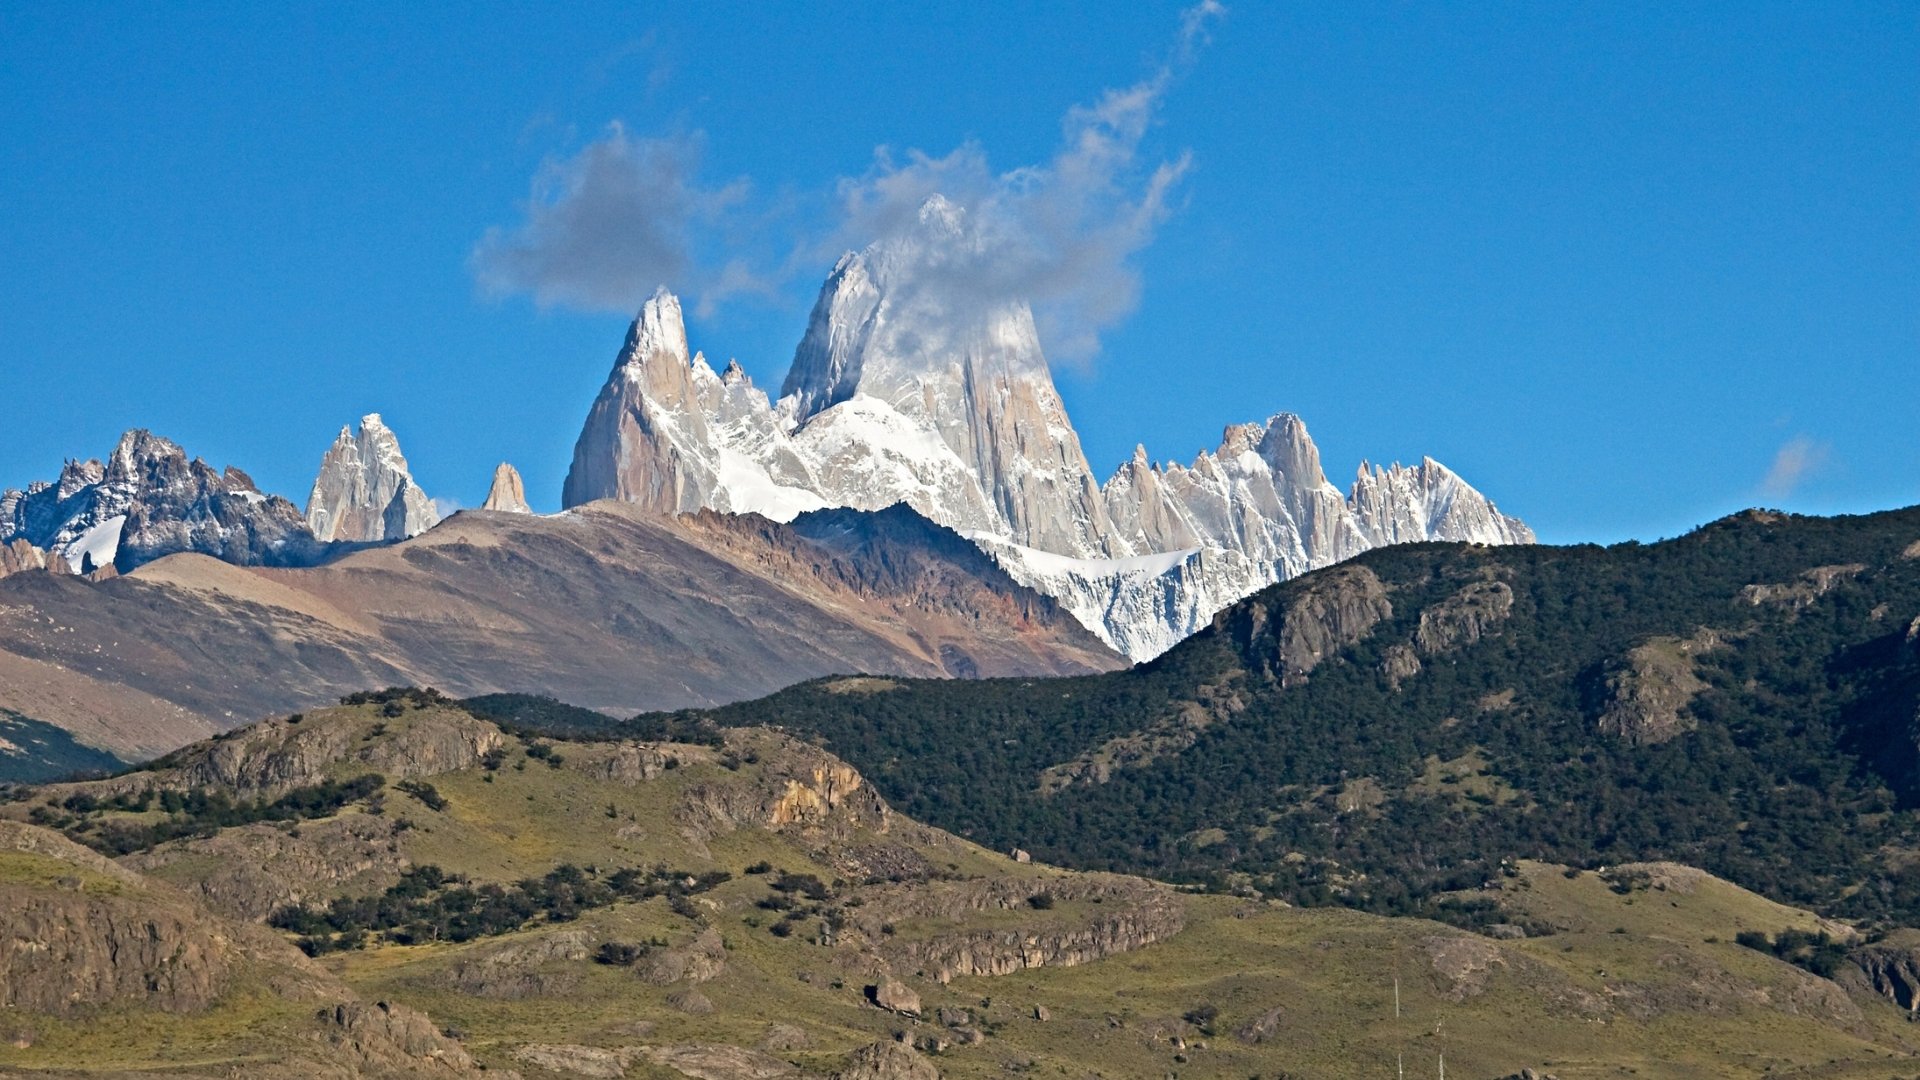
[(608, 606), (901, 393), (906, 392)]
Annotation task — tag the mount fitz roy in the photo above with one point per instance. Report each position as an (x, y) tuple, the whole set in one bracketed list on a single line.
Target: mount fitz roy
[(903, 391), (909, 386)]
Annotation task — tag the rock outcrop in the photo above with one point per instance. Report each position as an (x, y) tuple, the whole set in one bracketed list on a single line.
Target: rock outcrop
[(258, 869), (275, 756), (1335, 610), (802, 789), (544, 966), (78, 932), (386, 1038), (148, 500), (1126, 914), (894, 996), (507, 495), (18, 555), (887, 1061), (698, 961), (1644, 697), (902, 391), (364, 491), (1889, 968)]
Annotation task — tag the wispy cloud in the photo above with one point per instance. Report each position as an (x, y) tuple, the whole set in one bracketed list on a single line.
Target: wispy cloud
[(603, 227), (1798, 458), (606, 226), (1061, 234)]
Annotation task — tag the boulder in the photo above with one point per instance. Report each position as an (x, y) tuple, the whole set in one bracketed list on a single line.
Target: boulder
[(894, 996)]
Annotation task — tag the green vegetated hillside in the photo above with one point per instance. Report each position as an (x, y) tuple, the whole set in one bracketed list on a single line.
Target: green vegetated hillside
[(1741, 699), (400, 887)]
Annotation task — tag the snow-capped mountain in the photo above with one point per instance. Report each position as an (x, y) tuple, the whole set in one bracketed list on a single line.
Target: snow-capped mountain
[(907, 388), (148, 500), (364, 491)]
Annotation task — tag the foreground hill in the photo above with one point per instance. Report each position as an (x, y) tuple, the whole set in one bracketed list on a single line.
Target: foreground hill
[(746, 906), (609, 606), (1745, 698)]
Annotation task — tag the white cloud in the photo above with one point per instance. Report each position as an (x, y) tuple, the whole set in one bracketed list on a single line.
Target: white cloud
[(603, 228), (1798, 458), (1061, 234)]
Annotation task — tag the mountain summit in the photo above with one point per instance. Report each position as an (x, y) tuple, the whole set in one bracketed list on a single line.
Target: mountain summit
[(147, 500), (364, 491), (911, 385)]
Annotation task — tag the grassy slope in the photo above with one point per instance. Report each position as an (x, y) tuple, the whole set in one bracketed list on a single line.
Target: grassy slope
[(1330, 971)]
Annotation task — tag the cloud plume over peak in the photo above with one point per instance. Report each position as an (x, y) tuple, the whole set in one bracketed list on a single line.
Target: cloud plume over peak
[(1060, 235), (1799, 457), (606, 226)]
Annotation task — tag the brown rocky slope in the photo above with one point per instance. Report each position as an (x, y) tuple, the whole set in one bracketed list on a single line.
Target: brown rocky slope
[(605, 605)]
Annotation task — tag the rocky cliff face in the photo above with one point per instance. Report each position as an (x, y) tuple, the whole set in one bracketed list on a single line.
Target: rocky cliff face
[(79, 933), (364, 491), (907, 390), (147, 500), (17, 555), (507, 495)]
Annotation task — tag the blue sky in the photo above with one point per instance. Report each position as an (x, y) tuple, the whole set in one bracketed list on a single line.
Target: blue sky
[(1625, 267)]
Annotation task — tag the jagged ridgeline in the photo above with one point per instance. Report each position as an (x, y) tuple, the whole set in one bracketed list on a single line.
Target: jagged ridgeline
[(1742, 698), (398, 886)]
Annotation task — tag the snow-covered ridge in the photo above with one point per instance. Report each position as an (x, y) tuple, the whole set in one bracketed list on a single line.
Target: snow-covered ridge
[(904, 391), (149, 500)]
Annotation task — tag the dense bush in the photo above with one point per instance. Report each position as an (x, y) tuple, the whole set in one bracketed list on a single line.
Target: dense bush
[(201, 812), (428, 904), (1797, 773)]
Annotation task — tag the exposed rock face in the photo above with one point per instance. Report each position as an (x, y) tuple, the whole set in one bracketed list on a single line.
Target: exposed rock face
[(99, 935), (390, 1038), (273, 757), (902, 391), (698, 961), (710, 1061), (802, 788), (507, 495), (364, 491), (17, 556), (1645, 697), (573, 1060), (894, 996), (1465, 617), (1338, 609), (148, 500), (546, 966), (1797, 595), (1888, 968), (1131, 913), (887, 1061), (257, 869)]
